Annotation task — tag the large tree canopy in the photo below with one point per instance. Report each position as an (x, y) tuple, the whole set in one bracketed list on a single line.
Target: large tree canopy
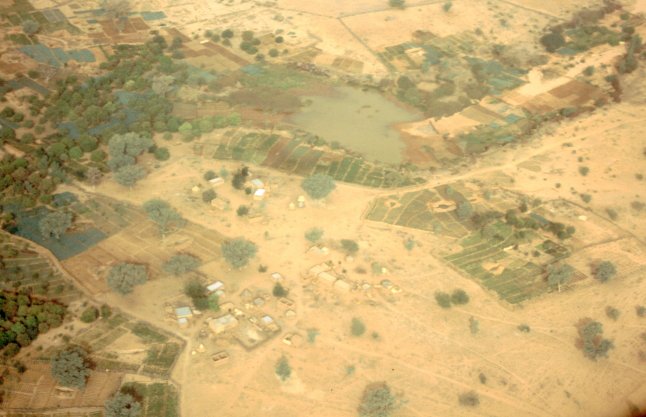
[(122, 405), (70, 367), (318, 185), (123, 277), (163, 215), (238, 252)]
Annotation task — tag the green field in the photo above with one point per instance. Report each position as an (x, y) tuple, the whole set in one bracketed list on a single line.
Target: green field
[(507, 259), (159, 400), (299, 157)]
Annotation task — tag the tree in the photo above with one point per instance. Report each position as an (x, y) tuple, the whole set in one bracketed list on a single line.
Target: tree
[(238, 252), (30, 27), (93, 175), (469, 399), (129, 175), (71, 367), (552, 41), (318, 186), (459, 297), (314, 234), (209, 195), (357, 327), (558, 275), (604, 271), (162, 154), (181, 263), (283, 370), (197, 292), (162, 84), (123, 277), (55, 224), (90, 314), (163, 215), (131, 144), (350, 247), (443, 299), (242, 210), (279, 291), (377, 401), (122, 405), (591, 339)]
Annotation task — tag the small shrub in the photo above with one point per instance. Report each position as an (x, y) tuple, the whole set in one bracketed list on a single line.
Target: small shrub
[(162, 154), (106, 311), (311, 335), (399, 4), (314, 234), (350, 247), (283, 370), (640, 311), (443, 299), (604, 271), (612, 213), (242, 211), (584, 170), (357, 327), (524, 328), (586, 197), (209, 195), (474, 325), (469, 399), (612, 313), (209, 175)]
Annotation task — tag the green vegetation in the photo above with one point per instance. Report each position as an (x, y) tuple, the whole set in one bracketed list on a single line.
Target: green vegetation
[(583, 170), (357, 328), (163, 215), (318, 186), (129, 175), (123, 277), (591, 339), (469, 399), (524, 328), (181, 263), (558, 275), (283, 370), (55, 224), (156, 399), (604, 271), (71, 367), (90, 314), (459, 296), (198, 294), (314, 234), (612, 313), (242, 210), (237, 252), (443, 299), (209, 195), (377, 401), (122, 405), (279, 290), (350, 247), (474, 325), (24, 317), (398, 4)]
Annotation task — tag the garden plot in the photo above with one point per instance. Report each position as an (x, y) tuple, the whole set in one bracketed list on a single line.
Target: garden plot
[(508, 258), (37, 390), (159, 399), (25, 268), (297, 156)]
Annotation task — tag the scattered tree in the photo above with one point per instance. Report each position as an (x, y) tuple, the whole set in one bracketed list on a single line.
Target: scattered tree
[(90, 314), (283, 370), (163, 215), (612, 313), (604, 271), (350, 247), (552, 41), (443, 299), (318, 186), (209, 175), (122, 405), (198, 294), (55, 224), (279, 291), (591, 339), (129, 175), (181, 263), (123, 277), (558, 275), (242, 210), (237, 252), (377, 401), (209, 195), (314, 234), (469, 399), (71, 368), (357, 327), (459, 296)]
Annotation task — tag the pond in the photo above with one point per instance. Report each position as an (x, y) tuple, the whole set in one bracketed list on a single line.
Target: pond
[(362, 121)]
